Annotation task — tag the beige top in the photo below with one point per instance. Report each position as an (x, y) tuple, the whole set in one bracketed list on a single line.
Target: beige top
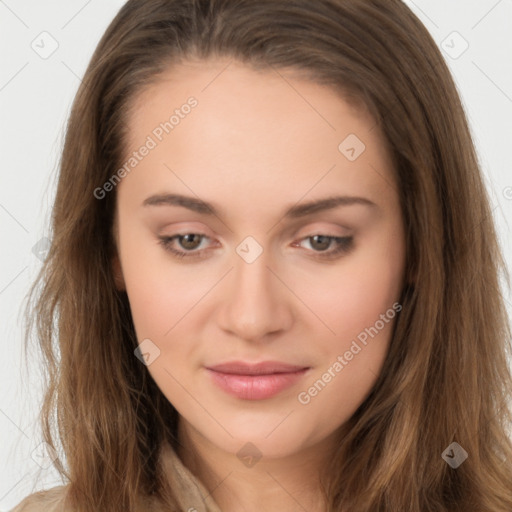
[(190, 492)]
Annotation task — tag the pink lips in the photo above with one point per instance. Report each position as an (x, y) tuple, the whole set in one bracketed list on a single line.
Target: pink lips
[(255, 381)]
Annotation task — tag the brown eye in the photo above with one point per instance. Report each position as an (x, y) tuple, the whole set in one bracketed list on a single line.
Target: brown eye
[(321, 242), (320, 245), (186, 246), (190, 241)]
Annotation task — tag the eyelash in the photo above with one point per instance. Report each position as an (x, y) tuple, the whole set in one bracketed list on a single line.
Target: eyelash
[(344, 246)]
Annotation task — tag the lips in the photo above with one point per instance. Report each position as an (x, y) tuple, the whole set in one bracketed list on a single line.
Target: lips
[(263, 368), (257, 381)]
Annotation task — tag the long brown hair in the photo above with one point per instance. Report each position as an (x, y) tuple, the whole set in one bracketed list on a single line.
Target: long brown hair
[(446, 377)]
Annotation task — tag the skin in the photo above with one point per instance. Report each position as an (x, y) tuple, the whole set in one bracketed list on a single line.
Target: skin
[(253, 146)]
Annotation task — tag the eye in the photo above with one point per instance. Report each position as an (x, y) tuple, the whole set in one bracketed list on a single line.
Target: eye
[(320, 244), (188, 241)]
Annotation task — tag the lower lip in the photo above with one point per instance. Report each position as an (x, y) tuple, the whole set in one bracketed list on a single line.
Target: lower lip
[(256, 387)]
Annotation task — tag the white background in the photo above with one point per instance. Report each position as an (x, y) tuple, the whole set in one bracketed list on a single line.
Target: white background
[(35, 98)]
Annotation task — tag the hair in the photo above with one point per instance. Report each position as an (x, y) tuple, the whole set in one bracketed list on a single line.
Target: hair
[(446, 376)]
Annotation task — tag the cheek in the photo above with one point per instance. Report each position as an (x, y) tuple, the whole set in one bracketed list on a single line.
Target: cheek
[(357, 292), (160, 294), (360, 309)]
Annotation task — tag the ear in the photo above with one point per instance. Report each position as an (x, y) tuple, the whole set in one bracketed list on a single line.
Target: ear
[(118, 273)]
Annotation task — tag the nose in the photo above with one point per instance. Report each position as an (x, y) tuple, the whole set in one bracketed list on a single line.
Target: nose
[(257, 303)]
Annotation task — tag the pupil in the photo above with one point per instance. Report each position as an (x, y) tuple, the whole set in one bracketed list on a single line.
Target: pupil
[(325, 243), (188, 244)]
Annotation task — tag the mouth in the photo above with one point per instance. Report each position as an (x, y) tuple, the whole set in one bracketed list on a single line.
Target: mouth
[(255, 381), (263, 368)]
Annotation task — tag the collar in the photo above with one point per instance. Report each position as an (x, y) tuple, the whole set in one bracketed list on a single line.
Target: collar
[(190, 492)]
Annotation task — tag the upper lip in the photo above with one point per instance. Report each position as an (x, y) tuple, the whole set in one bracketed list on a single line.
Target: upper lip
[(263, 368)]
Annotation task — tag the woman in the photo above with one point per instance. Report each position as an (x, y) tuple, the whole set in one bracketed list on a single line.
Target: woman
[(336, 340)]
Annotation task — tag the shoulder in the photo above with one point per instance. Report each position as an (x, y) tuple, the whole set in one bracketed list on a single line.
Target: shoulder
[(51, 500)]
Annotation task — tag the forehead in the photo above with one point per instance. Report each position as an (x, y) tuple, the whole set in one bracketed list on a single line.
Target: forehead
[(239, 90), (255, 129)]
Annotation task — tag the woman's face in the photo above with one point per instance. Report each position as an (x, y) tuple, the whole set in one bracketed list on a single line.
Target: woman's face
[(260, 278)]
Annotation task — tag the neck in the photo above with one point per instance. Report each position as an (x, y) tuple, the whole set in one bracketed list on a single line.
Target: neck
[(250, 484)]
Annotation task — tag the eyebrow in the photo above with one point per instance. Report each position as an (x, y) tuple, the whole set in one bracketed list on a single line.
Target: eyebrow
[(293, 212)]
